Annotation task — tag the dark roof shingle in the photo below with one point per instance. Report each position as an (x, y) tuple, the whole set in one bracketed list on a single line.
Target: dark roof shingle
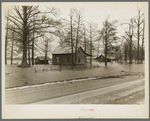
[(66, 50), (43, 57)]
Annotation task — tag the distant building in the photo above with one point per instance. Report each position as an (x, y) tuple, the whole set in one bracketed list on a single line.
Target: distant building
[(101, 58), (112, 58), (63, 56), (41, 60)]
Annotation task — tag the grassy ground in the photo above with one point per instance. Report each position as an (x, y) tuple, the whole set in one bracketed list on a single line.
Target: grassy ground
[(15, 76)]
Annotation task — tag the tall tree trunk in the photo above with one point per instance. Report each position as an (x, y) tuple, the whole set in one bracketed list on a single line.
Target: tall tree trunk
[(138, 23), (71, 41), (120, 55), (138, 46), (131, 27), (46, 48), (130, 60), (85, 43), (28, 51), (33, 43), (106, 52), (90, 46), (6, 42), (125, 52), (33, 50), (135, 55), (142, 52), (12, 47), (24, 60), (106, 34), (77, 41), (138, 32), (116, 53), (98, 47), (125, 56)]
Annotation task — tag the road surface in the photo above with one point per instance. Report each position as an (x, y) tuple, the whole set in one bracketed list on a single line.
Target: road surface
[(126, 93), (87, 90)]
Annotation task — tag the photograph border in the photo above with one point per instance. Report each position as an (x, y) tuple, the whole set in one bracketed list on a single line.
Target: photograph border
[(74, 113)]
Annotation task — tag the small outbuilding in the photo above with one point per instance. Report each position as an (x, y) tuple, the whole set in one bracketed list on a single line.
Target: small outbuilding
[(112, 58), (63, 56), (41, 60), (101, 58)]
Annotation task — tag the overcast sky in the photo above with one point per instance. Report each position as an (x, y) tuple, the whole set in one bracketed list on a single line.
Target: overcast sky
[(97, 12)]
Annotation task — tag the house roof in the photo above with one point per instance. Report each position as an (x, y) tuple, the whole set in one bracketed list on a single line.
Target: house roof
[(85, 52), (109, 57), (66, 50), (99, 56), (43, 57), (62, 50)]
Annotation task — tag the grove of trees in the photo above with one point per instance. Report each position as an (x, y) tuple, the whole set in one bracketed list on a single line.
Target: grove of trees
[(27, 25)]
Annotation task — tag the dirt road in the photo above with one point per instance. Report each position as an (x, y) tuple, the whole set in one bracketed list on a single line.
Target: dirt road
[(37, 93), (126, 93)]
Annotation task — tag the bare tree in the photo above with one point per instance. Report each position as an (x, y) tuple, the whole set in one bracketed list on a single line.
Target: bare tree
[(142, 51), (85, 41), (129, 37), (47, 41), (25, 23), (108, 34), (33, 40), (79, 21), (22, 27), (6, 36), (98, 39), (125, 51), (12, 47), (71, 34), (138, 22), (90, 45)]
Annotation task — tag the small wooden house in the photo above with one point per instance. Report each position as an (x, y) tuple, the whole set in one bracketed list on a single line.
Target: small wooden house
[(41, 60), (112, 58), (63, 56), (101, 58)]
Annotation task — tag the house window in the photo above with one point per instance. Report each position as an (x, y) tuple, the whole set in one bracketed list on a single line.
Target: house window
[(57, 59), (68, 59), (78, 59)]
